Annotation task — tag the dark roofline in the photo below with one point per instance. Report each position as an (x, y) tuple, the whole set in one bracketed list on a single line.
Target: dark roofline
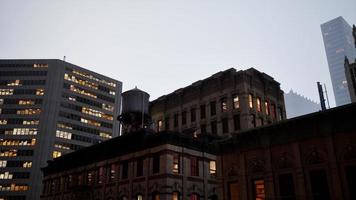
[(129, 143), (230, 70), (318, 124)]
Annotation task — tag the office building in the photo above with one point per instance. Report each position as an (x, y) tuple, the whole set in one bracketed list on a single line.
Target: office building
[(49, 108), (338, 42), (223, 104), (350, 71), (297, 105)]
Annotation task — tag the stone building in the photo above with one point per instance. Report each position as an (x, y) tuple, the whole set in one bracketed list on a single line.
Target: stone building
[(225, 103), (309, 157), (140, 165)]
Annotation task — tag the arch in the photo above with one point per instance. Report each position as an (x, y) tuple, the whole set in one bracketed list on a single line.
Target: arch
[(124, 197), (314, 157)]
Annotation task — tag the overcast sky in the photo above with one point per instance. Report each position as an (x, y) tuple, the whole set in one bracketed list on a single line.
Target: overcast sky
[(163, 45)]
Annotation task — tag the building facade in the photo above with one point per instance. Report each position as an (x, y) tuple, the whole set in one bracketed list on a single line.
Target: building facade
[(312, 157), (226, 102), (350, 71), (297, 105), (49, 108), (338, 42), (165, 166)]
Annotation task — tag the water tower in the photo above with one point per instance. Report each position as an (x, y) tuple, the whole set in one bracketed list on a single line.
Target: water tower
[(135, 114)]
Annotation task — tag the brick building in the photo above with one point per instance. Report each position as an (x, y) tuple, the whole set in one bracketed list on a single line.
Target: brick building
[(222, 104), (309, 157), (140, 165)]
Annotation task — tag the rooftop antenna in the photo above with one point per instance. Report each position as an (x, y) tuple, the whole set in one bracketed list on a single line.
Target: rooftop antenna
[(326, 94), (321, 96)]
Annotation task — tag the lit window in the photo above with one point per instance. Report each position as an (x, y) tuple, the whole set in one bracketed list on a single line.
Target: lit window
[(3, 163), (8, 153), (259, 106), (91, 122), (40, 92), (212, 167), (6, 92), (60, 146), (250, 100), (80, 81), (223, 105), (175, 196), (21, 131), (89, 76), (10, 142), (96, 113), (139, 197), (6, 175), (236, 102), (267, 107), (176, 163), (29, 111), (30, 122), (259, 193), (3, 121), (159, 125), (27, 164), (105, 135), (107, 107), (1, 101), (81, 91), (14, 83), (13, 187), (40, 65), (56, 154), (63, 134), (64, 126)]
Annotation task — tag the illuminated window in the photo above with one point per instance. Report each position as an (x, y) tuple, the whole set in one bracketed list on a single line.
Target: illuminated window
[(175, 196), (80, 91), (212, 167), (91, 122), (3, 163), (159, 125), (1, 101), (26, 102), (112, 172), (27, 164), (267, 107), (63, 134), (6, 92), (3, 121), (259, 192), (223, 105), (250, 100), (259, 106), (80, 81), (8, 153), (14, 83), (105, 135), (13, 187), (89, 76), (59, 125), (56, 154), (40, 65), (6, 175), (176, 163), (60, 146), (22, 131), (29, 111), (10, 142), (40, 92), (236, 102), (139, 197), (96, 113), (30, 122), (108, 107)]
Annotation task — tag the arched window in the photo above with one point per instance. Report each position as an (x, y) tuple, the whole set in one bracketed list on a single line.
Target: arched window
[(139, 197), (175, 196)]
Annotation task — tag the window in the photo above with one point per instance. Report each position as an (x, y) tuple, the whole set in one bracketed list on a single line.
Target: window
[(273, 111), (202, 112), (236, 102), (112, 172), (139, 197), (192, 115), (214, 128), (175, 120), (175, 196), (212, 108), (125, 170), (237, 124), (259, 189), (351, 180), (267, 107), (139, 167), (156, 164), (259, 121), (184, 117), (212, 167), (234, 192), (159, 125), (3, 163), (155, 196), (203, 128), (194, 197), (176, 163), (258, 102), (166, 121), (286, 187), (319, 185), (56, 154), (40, 92), (63, 134), (194, 166), (252, 120), (225, 125), (250, 100), (223, 105), (6, 92)]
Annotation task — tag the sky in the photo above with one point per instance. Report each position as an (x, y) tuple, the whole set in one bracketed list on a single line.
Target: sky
[(162, 45)]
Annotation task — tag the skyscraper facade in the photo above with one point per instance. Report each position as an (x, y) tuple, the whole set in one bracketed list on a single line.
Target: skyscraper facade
[(49, 108), (338, 42)]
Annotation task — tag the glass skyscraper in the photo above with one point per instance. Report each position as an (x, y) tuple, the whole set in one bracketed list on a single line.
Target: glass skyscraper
[(338, 42)]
